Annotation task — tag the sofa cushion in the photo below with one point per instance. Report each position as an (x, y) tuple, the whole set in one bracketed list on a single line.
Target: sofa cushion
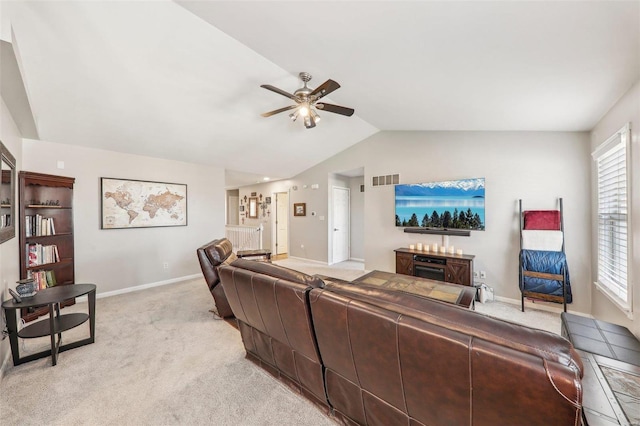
[(271, 305), (536, 342), (280, 272), (386, 359)]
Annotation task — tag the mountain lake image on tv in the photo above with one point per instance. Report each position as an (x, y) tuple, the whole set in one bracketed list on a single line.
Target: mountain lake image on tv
[(452, 204)]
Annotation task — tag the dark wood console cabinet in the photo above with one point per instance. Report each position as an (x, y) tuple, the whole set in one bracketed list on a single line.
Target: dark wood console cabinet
[(451, 268)]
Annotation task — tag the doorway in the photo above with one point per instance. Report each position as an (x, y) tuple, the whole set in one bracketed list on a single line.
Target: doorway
[(340, 213), (282, 223), (233, 201)]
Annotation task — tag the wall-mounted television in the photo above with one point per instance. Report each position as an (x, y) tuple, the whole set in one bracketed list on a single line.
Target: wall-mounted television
[(451, 204)]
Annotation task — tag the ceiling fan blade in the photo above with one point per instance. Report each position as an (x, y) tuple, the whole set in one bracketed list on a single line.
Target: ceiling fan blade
[(277, 111), (280, 92), (337, 109), (324, 89)]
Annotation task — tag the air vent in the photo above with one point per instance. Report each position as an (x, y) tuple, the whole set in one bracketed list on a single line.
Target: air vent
[(386, 180)]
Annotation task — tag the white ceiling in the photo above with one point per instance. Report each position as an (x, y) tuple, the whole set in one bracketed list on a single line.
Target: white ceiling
[(181, 79)]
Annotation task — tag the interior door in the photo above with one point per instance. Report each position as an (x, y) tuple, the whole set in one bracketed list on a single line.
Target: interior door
[(282, 222), (340, 222)]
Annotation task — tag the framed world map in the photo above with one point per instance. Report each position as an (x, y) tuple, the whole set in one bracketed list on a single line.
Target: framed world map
[(130, 203)]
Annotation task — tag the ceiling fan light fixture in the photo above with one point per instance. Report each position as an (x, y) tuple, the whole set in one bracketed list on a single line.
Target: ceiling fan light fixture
[(306, 101)]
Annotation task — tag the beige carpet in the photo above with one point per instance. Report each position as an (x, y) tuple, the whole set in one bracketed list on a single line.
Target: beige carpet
[(161, 358)]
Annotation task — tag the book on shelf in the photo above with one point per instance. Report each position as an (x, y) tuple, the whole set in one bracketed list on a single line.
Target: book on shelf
[(51, 278), (43, 279), (37, 226), (38, 254)]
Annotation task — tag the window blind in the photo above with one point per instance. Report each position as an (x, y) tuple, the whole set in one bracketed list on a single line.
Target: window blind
[(613, 253)]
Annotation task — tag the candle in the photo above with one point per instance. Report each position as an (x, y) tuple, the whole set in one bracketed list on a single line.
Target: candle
[(419, 246), (434, 247), (411, 247), (451, 250), (426, 247), (460, 251), (443, 249)]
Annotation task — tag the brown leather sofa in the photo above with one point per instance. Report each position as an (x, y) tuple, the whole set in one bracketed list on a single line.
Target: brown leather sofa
[(272, 309), (211, 256), (381, 357)]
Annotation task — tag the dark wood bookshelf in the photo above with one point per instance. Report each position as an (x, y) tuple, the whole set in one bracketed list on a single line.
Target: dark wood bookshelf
[(48, 237), (34, 190), (61, 263)]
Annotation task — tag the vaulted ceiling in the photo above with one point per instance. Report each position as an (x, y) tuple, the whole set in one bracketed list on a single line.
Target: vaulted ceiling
[(180, 79)]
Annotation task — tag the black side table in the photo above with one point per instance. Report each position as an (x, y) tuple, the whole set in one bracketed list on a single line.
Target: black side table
[(55, 324)]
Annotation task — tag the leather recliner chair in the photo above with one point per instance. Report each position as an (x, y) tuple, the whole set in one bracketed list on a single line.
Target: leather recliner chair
[(211, 256)]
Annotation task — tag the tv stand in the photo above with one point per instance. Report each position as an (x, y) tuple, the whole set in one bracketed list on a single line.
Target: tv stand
[(451, 268)]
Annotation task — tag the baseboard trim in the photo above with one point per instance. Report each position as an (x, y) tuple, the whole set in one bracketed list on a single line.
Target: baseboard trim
[(539, 305), (356, 259), (145, 286)]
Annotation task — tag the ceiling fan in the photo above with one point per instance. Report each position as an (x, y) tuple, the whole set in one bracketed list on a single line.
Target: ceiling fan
[(307, 100)]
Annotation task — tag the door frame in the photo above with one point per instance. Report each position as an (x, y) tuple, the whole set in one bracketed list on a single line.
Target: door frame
[(274, 248), (332, 221)]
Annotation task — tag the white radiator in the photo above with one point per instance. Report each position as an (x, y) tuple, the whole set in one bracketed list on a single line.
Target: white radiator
[(244, 237)]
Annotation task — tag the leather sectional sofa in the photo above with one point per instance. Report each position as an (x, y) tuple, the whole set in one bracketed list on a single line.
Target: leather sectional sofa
[(373, 356)]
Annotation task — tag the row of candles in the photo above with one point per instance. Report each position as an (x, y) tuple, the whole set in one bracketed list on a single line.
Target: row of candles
[(435, 248)]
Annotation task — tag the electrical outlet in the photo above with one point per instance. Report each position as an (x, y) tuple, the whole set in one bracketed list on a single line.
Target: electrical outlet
[(476, 274), (165, 265), (483, 275)]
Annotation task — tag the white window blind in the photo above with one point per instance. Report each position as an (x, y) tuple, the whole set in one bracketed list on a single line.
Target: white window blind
[(613, 214)]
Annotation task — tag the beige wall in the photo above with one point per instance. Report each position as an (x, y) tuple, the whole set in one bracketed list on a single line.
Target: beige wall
[(626, 110), (117, 259), (268, 189), (9, 261), (535, 166), (309, 231)]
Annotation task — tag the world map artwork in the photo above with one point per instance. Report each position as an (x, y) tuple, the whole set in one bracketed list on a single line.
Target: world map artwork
[(136, 204)]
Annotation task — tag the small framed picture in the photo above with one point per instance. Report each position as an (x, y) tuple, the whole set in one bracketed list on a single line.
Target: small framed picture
[(267, 200), (241, 208), (300, 209)]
